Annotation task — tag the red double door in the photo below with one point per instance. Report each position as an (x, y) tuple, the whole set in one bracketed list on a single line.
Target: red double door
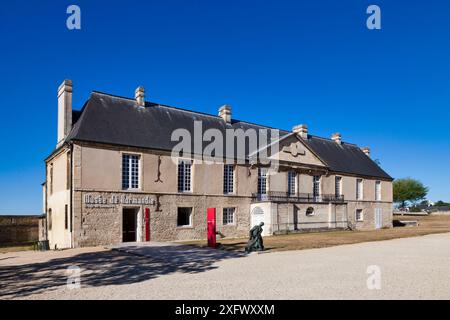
[(211, 221)]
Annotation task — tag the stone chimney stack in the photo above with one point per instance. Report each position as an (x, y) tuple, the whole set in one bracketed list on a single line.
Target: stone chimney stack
[(64, 111), (225, 113), (337, 137), (301, 130), (366, 150), (139, 95)]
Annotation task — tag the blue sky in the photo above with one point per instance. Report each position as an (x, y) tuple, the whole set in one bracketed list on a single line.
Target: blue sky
[(278, 63)]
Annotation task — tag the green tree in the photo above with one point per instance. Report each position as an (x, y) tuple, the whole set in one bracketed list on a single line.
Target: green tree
[(409, 190)]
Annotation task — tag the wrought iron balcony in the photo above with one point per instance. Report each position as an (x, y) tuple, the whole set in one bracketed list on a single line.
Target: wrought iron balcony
[(276, 196)]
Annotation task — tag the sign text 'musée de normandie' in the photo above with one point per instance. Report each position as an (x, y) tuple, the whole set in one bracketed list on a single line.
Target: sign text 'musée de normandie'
[(101, 200)]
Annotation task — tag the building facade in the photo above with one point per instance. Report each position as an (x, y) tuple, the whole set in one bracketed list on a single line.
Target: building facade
[(113, 178)]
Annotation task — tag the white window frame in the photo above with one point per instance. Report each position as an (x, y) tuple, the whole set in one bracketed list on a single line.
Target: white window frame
[(228, 179), (338, 186), (361, 218), (317, 186), (131, 157), (262, 181), (227, 212), (378, 190), (185, 182), (359, 189), (292, 183)]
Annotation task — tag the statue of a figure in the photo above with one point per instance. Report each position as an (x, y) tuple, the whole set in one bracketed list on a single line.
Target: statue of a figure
[(255, 241)]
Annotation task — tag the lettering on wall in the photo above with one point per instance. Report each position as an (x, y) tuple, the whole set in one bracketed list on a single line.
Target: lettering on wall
[(102, 201)]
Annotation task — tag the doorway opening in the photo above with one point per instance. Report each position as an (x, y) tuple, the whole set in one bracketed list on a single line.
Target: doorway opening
[(296, 218), (129, 224)]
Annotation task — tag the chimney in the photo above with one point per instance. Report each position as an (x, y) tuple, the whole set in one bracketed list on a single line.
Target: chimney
[(337, 137), (139, 95), (64, 110), (225, 113), (366, 150), (301, 130)]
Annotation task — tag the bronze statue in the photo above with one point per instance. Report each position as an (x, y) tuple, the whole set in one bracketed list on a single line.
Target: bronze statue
[(255, 241)]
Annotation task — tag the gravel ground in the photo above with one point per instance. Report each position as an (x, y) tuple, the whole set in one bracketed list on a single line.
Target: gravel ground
[(411, 268)]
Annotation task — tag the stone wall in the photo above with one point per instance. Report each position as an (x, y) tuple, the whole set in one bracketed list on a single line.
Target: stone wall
[(368, 209), (101, 224), (18, 229)]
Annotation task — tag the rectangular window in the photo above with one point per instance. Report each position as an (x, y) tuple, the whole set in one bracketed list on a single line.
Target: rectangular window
[(359, 215), (338, 186), (49, 216), (359, 189), (51, 178), (292, 177), (262, 181), (316, 188), (184, 176), (66, 217), (130, 171), (377, 190), (228, 179), (68, 173), (228, 216), (184, 218)]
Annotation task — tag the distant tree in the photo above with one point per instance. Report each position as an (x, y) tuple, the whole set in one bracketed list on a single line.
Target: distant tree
[(441, 203), (409, 190)]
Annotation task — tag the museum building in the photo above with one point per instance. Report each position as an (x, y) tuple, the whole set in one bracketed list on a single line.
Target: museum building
[(113, 178)]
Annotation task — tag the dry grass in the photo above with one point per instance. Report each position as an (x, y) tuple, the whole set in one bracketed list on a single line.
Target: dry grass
[(427, 225), (16, 248)]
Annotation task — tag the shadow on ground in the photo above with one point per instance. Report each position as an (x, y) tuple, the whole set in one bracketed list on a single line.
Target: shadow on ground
[(240, 246), (107, 268)]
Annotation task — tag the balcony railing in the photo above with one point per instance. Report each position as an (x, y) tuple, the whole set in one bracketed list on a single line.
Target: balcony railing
[(276, 196)]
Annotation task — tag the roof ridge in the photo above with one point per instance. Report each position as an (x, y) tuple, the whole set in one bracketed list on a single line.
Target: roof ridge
[(190, 111), (112, 95), (214, 116), (330, 140)]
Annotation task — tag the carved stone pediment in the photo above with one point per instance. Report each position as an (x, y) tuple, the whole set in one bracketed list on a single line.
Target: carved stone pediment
[(295, 149)]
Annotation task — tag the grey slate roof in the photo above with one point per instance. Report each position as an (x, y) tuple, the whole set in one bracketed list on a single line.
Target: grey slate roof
[(119, 121), (345, 158)]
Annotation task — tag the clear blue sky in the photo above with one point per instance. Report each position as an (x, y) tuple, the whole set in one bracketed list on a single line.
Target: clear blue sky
[(278, 63)]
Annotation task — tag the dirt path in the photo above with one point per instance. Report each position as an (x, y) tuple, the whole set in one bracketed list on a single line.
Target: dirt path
[(410, 268)]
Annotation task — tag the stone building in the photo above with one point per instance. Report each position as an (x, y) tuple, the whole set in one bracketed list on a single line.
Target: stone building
[(113, 177)]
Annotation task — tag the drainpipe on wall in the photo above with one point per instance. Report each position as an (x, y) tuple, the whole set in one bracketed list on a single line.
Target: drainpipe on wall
[(346, 217)]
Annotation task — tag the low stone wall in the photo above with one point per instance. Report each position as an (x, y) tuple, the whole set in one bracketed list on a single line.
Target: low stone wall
[(440, 213), (15, 230)]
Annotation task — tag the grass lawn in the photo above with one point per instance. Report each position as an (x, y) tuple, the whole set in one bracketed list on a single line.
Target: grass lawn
[(16, 248), (427, 225)]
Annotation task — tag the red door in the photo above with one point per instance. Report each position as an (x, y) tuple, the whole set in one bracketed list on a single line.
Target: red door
[(147, 224), (211, 219)]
